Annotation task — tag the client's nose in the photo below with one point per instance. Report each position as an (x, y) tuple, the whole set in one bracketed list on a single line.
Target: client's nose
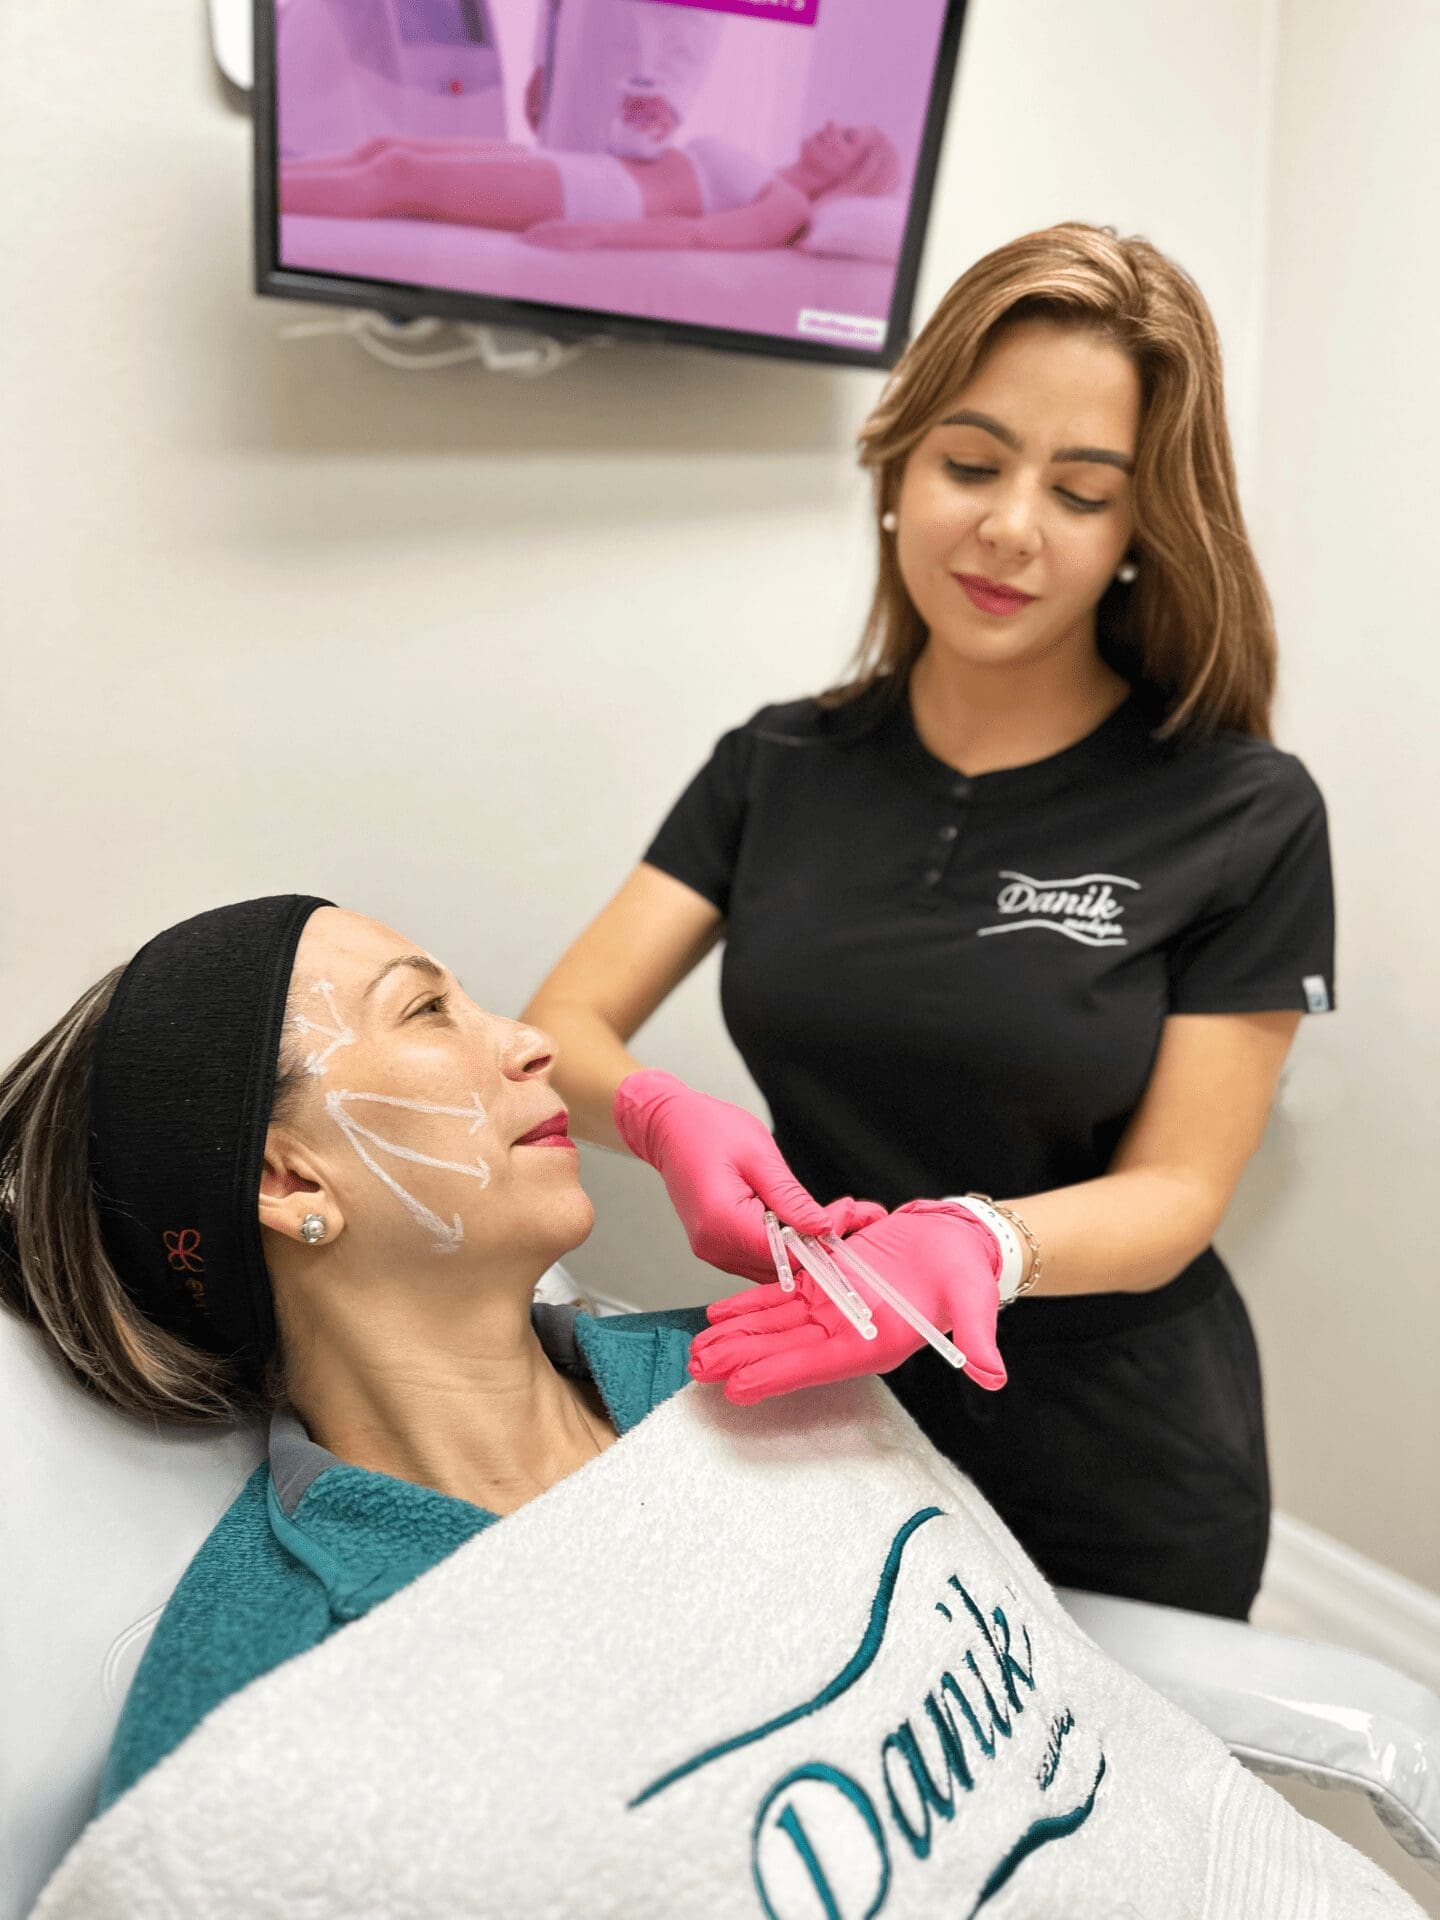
[(525, 1052)]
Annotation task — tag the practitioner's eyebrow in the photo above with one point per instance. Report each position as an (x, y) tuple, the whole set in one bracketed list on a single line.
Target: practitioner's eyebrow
[(967, 417), (419, 961)]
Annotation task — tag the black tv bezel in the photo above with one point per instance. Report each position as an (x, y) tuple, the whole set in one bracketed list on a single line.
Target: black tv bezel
[(401, 300)]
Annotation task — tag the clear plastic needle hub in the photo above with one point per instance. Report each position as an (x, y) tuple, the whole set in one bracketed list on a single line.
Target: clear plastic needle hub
[(777, 1252), (896, 1301), (831, 1282)]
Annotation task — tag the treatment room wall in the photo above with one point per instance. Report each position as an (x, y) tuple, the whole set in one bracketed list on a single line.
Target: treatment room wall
[(444, 646), (1330, 1227)]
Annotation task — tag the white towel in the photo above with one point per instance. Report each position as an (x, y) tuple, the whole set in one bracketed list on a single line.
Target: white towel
[(781, 1661)]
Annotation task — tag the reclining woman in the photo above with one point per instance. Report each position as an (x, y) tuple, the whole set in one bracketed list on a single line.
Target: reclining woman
[(708, 193), (283, 1161), (356, 1252)]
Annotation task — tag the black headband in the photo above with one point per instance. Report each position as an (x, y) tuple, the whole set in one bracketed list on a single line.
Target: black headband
[(180, 1096)]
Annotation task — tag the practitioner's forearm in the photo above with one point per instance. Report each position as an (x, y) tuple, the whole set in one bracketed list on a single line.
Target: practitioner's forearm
[(1126, 1232), (593, 1060)]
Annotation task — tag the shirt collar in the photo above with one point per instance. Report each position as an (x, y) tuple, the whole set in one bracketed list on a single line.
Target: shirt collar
[(1116, 742)]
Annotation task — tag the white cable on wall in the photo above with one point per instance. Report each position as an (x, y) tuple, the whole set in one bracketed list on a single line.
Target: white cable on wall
[(499, 350)]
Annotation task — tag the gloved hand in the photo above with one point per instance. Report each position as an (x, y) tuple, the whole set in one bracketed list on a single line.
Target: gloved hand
[(722, 1169), (944, 1260)]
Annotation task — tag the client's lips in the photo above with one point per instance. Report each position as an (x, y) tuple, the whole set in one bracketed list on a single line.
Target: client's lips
[(554, 1132)]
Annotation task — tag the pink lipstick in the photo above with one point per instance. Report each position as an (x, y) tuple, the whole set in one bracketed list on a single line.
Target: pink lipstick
[(990, 596), (554, 1132)]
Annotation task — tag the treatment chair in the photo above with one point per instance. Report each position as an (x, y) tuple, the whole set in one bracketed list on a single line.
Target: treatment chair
[(101, 1513)]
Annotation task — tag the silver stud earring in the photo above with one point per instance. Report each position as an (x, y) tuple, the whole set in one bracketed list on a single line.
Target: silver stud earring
[(1126, 571), (890, 520), (313, 1229)]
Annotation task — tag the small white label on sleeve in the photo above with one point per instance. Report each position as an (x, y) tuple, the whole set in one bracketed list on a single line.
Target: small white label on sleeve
[(1317, 994)]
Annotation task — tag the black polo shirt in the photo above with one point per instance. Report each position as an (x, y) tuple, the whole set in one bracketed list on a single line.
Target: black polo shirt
[(942, 983)]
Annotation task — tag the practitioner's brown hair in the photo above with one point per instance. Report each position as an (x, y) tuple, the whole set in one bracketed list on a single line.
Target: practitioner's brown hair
[(1195, 629)]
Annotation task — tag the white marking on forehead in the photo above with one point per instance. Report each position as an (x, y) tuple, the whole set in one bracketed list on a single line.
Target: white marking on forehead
[(447, 1235), (338, 1033)]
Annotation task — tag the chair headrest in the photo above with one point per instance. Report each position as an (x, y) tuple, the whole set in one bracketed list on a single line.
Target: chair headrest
[(99, 1517)]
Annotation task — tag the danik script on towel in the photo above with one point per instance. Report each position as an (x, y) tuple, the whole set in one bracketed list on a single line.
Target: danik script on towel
[(826, 1832)]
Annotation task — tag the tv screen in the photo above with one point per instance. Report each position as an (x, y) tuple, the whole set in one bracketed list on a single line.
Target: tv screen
[(745, 174)]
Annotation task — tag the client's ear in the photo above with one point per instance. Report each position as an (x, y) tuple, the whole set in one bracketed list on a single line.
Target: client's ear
[(293, 1191)]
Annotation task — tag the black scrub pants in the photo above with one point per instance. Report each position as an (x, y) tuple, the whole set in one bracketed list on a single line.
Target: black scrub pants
[(1127, 1450)]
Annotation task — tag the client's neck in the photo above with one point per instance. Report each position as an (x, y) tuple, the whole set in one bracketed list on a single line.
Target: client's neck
[(453, 1393)]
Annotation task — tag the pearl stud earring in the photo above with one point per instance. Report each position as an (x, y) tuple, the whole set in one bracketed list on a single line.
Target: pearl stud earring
[(1126, 571), (890, 520), (313, 1229)]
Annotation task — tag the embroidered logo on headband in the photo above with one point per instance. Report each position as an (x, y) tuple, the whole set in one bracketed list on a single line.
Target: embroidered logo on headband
[(183, 1247)]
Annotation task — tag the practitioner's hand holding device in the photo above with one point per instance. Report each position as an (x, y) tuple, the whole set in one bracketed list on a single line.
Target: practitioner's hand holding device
[(723, 1170), (931, 1263)]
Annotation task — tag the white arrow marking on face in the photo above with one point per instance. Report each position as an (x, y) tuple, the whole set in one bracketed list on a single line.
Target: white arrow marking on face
[(339, 1034), (448, 1235)]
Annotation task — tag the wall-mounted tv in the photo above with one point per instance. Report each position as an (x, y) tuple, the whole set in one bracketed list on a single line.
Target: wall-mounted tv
[(752, 175)]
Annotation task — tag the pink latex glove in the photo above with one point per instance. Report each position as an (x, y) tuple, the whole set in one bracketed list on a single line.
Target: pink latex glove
[(722, 1169), (944, 1260)]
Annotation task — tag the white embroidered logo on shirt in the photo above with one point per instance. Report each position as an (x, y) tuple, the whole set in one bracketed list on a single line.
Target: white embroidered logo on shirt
[(1084, 909)]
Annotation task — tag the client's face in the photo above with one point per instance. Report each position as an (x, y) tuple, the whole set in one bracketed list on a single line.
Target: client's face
[(430, 1123)]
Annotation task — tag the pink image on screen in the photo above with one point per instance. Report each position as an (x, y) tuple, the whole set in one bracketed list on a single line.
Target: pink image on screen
[(672, 160)]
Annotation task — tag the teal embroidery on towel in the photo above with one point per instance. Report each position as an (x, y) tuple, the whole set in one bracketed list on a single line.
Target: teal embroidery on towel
[(1008, 1664), (1039, 1833), (940, 1799), (834, 1832), (790, 1824), (1050, 1765), (854, 1668), (820, 1821)]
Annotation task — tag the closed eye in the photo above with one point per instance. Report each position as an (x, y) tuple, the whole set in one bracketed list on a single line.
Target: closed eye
[(972, 475)]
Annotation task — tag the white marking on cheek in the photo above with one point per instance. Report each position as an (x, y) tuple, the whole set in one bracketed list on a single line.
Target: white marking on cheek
[(338, 1033), (447, 1235)]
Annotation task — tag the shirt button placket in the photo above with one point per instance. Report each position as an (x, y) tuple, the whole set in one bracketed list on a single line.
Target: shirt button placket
[(960, 792)]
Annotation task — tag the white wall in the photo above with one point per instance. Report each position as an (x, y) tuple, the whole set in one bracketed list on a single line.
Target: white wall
[(444, 646), (1331, 1229)]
